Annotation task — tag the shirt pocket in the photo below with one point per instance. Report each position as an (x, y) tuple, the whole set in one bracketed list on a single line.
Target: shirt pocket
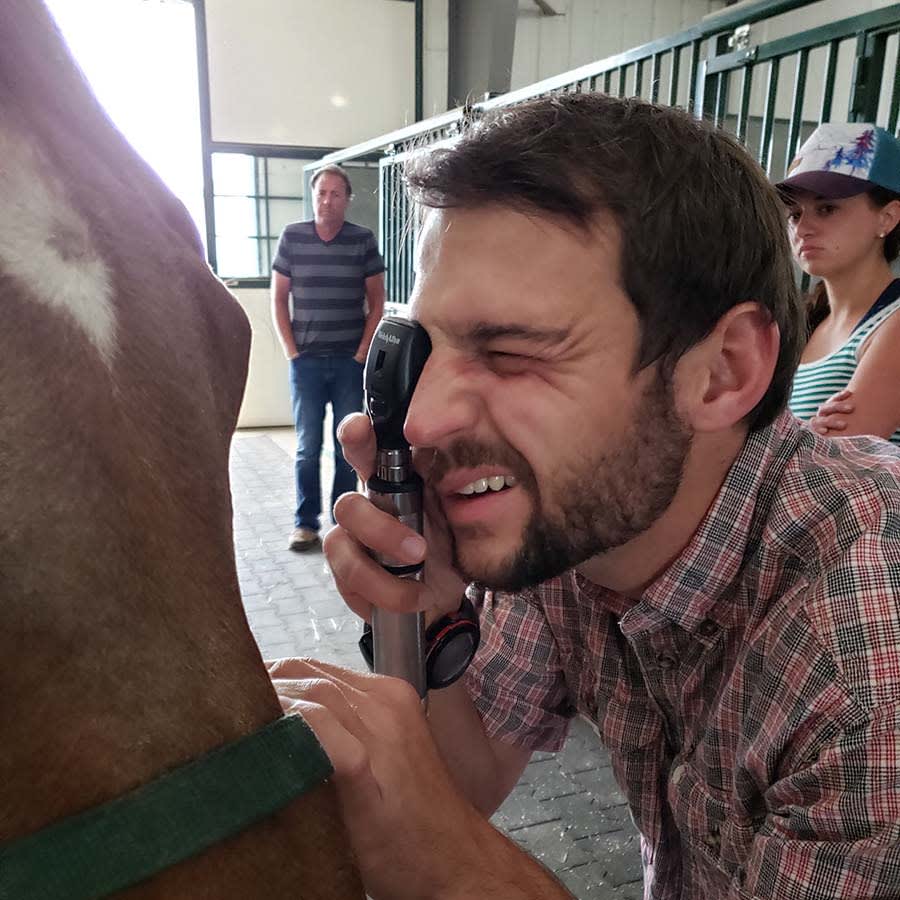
[(719, 839)]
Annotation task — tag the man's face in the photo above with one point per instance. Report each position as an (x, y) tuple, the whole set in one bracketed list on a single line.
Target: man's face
[(330, 198), (547, 449)]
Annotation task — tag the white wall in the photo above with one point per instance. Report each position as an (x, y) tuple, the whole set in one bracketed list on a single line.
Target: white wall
[(267, 398), (591, 30), (436, 56), (320, 73)]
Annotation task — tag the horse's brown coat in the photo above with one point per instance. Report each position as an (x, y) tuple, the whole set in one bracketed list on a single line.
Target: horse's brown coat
[(124, 649)]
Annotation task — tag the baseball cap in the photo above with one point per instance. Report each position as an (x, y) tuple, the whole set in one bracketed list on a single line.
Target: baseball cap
[(844, 159)]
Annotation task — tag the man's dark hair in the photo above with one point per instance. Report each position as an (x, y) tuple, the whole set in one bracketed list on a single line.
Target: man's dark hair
[(702, 228), (332, 170)]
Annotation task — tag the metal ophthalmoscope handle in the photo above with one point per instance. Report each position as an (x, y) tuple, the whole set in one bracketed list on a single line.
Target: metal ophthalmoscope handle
[(399, 638), (396, 358)]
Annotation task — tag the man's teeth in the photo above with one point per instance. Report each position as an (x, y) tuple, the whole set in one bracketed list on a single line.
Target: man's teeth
[(494, 483)]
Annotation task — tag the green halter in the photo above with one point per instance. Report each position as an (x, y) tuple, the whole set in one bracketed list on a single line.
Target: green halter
[(110, 847)]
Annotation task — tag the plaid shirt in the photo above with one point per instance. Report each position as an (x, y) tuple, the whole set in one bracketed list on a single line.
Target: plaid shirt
[(750, 699)]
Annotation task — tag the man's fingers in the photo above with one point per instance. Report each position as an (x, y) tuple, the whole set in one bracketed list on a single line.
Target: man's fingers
[(347, 753), (348, 679), (377, 530), (362, 581), (357, 439), (287, 667)]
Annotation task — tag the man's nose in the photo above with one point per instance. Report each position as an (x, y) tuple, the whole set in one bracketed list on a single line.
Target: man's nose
[(444, 405)]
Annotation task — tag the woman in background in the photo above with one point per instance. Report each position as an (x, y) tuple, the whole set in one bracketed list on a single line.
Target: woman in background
[(843, 200)]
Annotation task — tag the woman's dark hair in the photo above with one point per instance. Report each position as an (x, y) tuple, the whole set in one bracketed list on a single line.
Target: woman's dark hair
[(817, 299), (702, 228)]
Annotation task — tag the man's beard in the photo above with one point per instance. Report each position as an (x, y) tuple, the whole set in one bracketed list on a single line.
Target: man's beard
[(604, 500)]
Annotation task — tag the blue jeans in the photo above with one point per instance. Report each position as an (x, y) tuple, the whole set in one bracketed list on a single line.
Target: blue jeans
[(316, 381)]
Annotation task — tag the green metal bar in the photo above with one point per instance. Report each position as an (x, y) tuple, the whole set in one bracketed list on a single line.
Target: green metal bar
[(638, 77), (675, 73), (722, 82), (395, 243), (206, 151), (892, 123), (407, 255), (382, 217), (282, 151), (726, 62), (744, 107), (419, 59), (765, 143), (817, 37), (692, 75), (727, 21), (857, 80), (830, 73), (401, 256), (267, 261), (654, 78), (868, 74), (793, 140), (620, 91), (607, 81)]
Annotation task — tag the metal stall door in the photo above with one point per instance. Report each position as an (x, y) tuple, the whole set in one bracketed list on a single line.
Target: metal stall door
[(396, 236), (773, 94), (398, 217)]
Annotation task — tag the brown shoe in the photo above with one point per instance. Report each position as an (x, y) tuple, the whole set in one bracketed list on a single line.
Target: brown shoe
[(303, 539)]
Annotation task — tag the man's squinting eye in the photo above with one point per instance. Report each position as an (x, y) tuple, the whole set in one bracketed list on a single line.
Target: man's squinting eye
[(506, 362)]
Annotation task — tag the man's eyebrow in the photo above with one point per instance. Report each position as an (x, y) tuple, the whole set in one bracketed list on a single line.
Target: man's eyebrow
[(484, 332)]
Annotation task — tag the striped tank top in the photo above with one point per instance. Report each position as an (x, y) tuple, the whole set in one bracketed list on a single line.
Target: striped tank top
[(816, 381)]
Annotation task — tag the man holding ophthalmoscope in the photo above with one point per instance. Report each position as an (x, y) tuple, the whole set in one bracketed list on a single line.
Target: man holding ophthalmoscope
[(655, 543)]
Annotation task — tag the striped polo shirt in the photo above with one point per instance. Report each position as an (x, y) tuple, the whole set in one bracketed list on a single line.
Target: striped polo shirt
[(328, 285), (816, 381)]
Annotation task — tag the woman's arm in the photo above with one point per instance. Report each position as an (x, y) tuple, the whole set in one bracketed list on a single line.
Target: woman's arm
[(871, 402)]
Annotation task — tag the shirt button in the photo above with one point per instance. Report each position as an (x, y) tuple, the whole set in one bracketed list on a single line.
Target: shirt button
[(677, 775), (708, 628), (666, 662)]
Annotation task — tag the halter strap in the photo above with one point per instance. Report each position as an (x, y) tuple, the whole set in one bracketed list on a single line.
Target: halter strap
[(180, 814)]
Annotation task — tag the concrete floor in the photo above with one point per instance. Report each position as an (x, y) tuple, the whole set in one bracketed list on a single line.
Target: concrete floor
[(566, 810)]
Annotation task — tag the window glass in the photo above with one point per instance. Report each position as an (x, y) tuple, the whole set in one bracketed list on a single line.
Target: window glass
[(286, 177), (254, 198), (233, 174)]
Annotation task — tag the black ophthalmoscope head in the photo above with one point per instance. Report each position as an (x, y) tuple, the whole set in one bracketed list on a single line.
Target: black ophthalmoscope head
[(396, 358)]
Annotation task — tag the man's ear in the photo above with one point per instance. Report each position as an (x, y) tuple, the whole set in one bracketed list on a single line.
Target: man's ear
[(721, 379)]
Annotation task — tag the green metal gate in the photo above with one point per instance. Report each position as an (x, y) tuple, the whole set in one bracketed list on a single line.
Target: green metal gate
[(773, 95), (770, 93)]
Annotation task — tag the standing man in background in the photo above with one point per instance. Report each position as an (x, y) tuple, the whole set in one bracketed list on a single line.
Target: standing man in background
[(334, 273)]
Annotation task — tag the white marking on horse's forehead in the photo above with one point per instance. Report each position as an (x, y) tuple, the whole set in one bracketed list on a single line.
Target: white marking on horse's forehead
[(46, 245)]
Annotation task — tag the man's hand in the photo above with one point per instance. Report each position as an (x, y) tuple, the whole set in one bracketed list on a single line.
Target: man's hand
[(360, 356), (413, 833), (361, 526)]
